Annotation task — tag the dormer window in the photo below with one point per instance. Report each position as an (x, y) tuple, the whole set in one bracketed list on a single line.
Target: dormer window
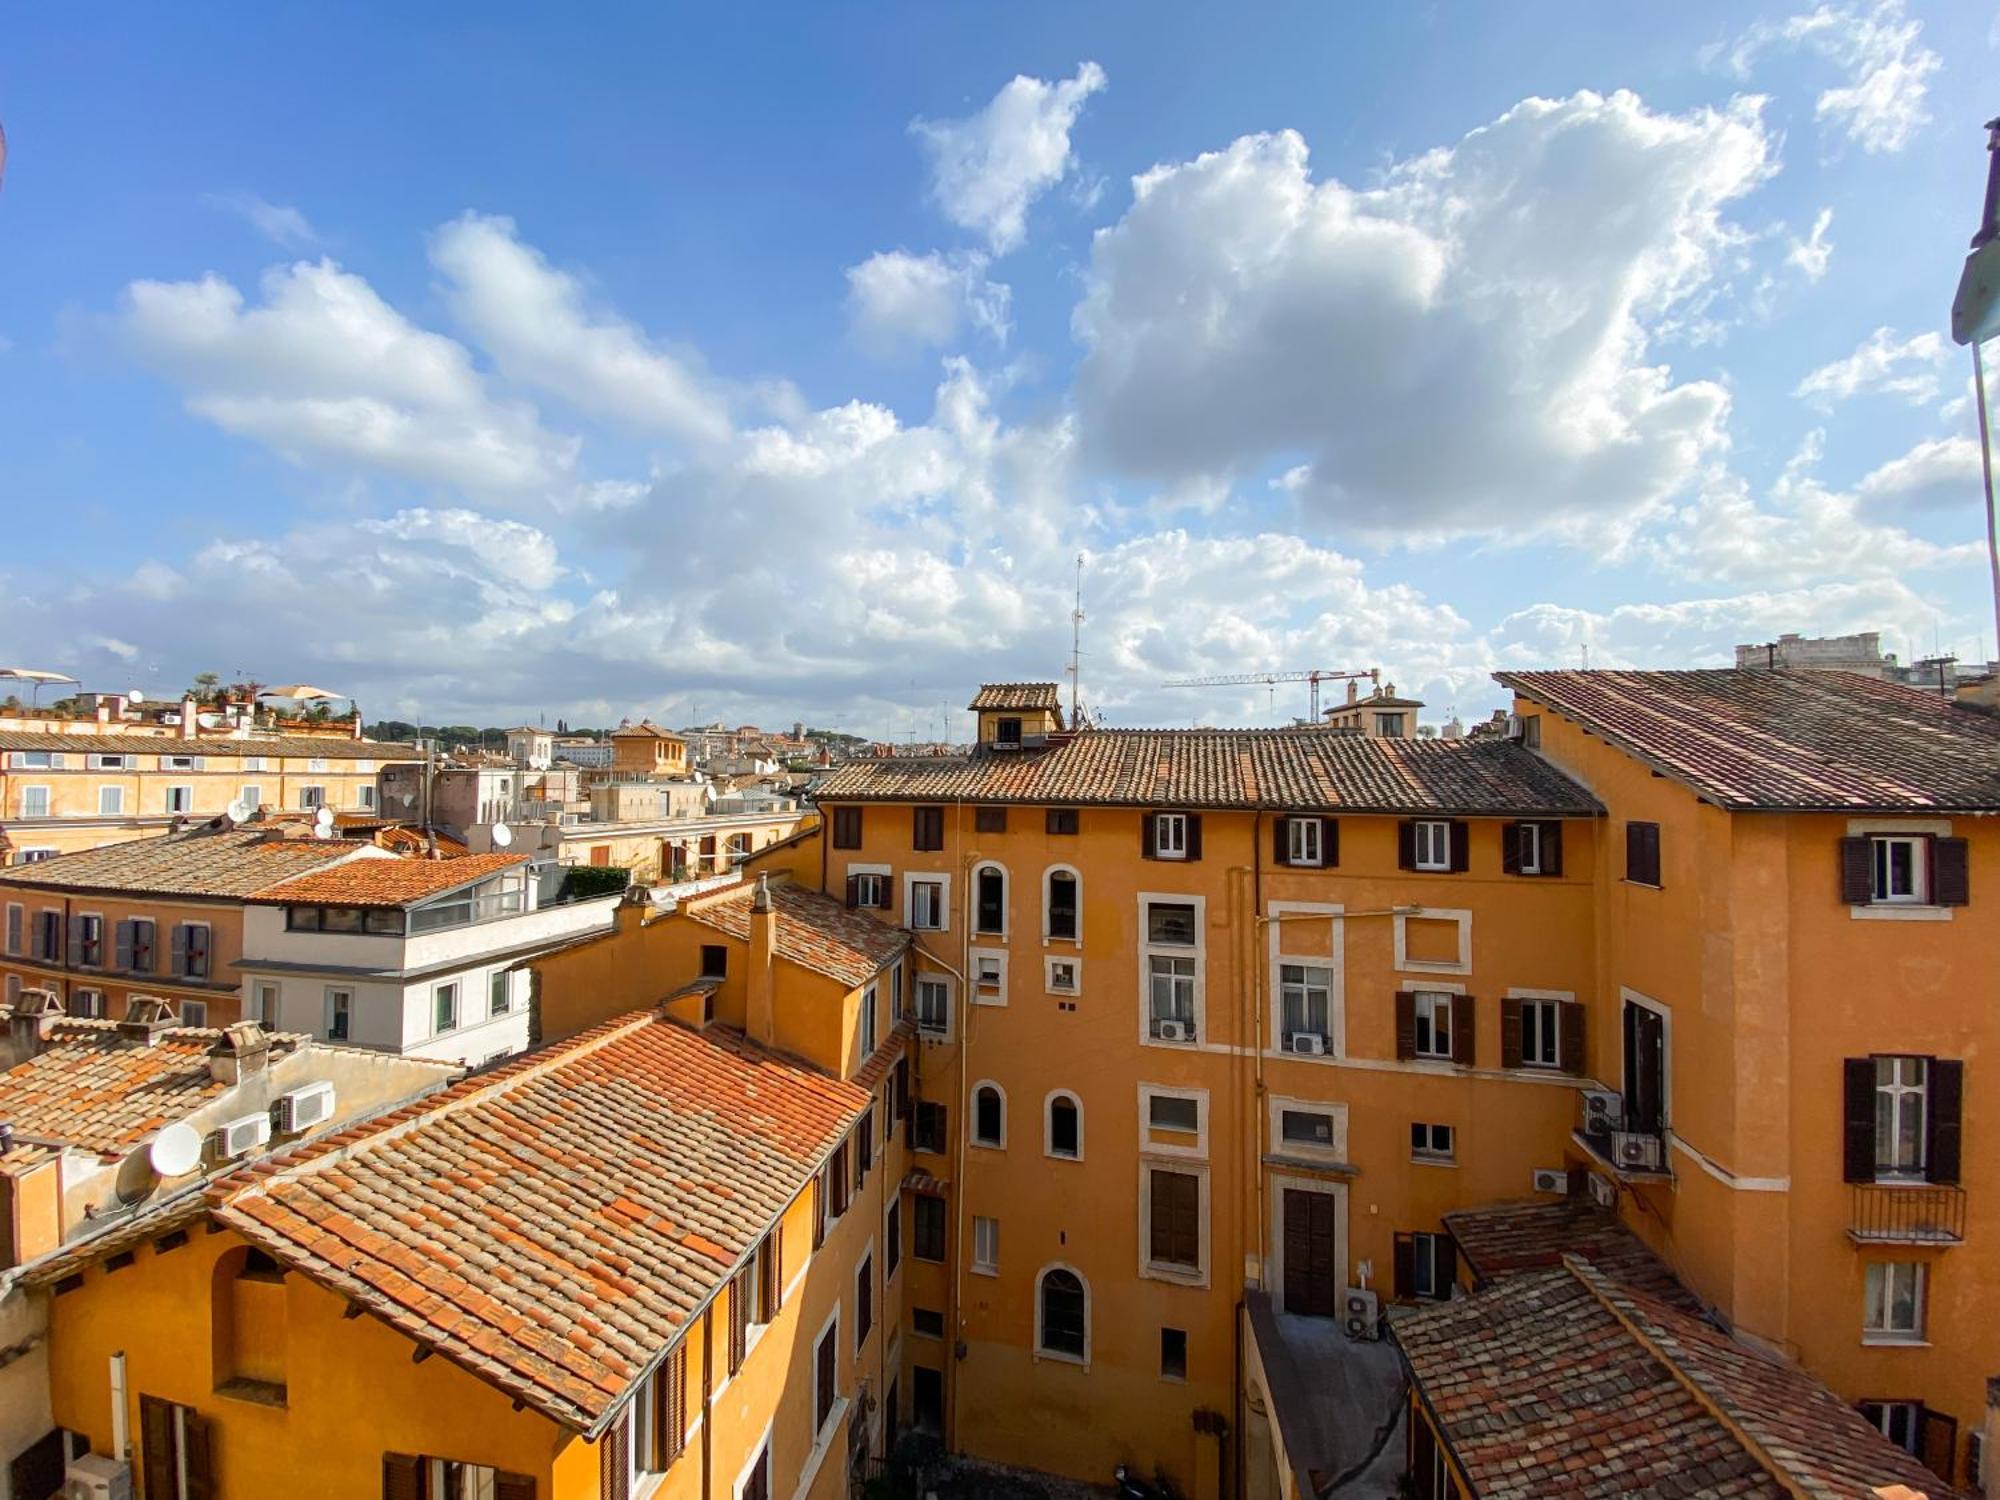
[(1007, 731)]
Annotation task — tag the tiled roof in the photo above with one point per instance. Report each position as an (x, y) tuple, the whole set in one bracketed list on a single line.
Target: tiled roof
[(290, 747), (1786, 739), (1297, 770), (387, 882), (814, 930), (1583, 1367), (644, 729), (553, 1224), (1022, 695), (96, 1090), (236, 863)]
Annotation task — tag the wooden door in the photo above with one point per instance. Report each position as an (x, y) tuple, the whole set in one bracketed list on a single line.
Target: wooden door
[(1311, 1283)]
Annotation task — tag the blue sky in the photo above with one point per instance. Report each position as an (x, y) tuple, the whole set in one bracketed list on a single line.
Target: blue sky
[(779, 364)]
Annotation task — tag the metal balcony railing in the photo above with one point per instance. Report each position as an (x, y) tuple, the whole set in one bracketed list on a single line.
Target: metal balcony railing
[(1896, 1213)]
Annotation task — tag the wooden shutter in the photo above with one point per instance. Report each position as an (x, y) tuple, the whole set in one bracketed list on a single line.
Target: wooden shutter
[(1941, 1120), (1176, 1238), (772, 1285), (615, 1463), (1552, 848), (1406, 1265), (1406, 844), (1857, 875), (1510, 848), (402, 1477), (1149, 847), (837, 1180), (1193, 835), (1951, 877), (1464, 1030), (739, 1319), (670, 1420), (1858, 1112), (122, 956), (513, 1487), (1937, 1443), (1461, 839), (989, 819), (197, 1456), (76, 940), (1406, 1024), (156, 1448), (180, 948), (818, 1211), (1281, 841), (853, 891), (1445, 1267), (1510, 1033), (1329, 842), (1571, 1033)]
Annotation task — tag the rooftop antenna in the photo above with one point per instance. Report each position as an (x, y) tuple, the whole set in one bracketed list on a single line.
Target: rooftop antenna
[(1076, 642)]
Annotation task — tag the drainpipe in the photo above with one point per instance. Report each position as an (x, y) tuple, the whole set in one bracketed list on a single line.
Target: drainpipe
[(956, 1247), (121, 1437), (707, 1392)]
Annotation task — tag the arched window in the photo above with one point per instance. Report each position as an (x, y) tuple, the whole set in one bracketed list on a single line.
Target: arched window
[(1062, 1314), (989, 1115), (1062, 911), (248, 1315), (989, 900), (1065, 1127)]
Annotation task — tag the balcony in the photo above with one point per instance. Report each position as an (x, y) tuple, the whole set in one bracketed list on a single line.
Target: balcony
[(1895, 1213)]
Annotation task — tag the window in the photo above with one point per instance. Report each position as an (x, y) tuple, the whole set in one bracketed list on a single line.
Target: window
[(1389, 726), (264, 1004), (1899, 869), (989, 900), (1902, 1089), (1430, 1142), (1063, 976), (339, 1015), (927, 828), (17, 927), (989, 1116), (1304, 1127), (364, 798), (1059, 918), (927, 1321), (180, 799), (252, 795), (125, 763), (1170, 836), (1062, 820), (1176, 1112), (927, 908), (48, 939), (933, 1005), (989, 819), (194, 1013), (1175, 1222), (175, 1448), (191, 950), (89, 942), (869, 1004), (110, 801), (1172, 997), (1065, 1137), (869, 890), (989, 977), (826, 1376), (892, 1237), (756, 1481), (985, 1245), (1170, 922), (1426, 1266), (1531, 848), (1642, 853), (1433, 844), (35, 760), (1007, 731), (847, 828), (1433, 1017), (929, 1127), (864, 1301), (1062, 1315), (659, 1418), (1541, 1042), (714, 960), (498, 998), (1893, 1302), (34, 802), (312, 798), (87, 1004), (1892, 869), (1173, 1354), (1901, 1422), (1302, 841), (1306, 995), (927, 1226), (444, 1008)]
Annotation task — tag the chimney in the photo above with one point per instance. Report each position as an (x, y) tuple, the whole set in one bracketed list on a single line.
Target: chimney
[(103, 709), (28, 1024), (146, 1017), (188, 713), (1353, 690), (760, 1011), (243, 1052), (630, 914)]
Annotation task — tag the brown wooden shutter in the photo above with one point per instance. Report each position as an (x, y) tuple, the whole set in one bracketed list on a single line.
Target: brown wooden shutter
[(1510, 1033), (1329, 842), (1464, 1030), (853, 891), (1148, 845), (739, 1319), (671, 1421), (1406, 1265), (1951, 876), (1406, 1024), (1281, 841), (513, 1486), (1571, 1031), (1461, 842), (1857, 875), (772, 1285), (818, 1211), (1941, 1120), (1406, 844), (1510, 848), (402, 1477), (197, 1455), (156, 1447), (614, 1460), (1194, 835), (1937, 1443), (1445, 1248), (1858, 1112)]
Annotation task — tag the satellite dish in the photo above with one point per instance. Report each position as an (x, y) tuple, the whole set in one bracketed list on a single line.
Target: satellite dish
[(409, 799), (502, 835), (135, 697), (323, 818), (176, 1150)]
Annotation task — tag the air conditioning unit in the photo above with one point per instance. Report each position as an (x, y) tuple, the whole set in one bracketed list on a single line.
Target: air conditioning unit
[(1309, 1042), (304, 1108), (1173, 1031), (1361, 1313), (95, 1477), (1603, 1110), (1636, 1151), (1603, 1191), (245, 1133), (1549, 1180), (1513, 726)]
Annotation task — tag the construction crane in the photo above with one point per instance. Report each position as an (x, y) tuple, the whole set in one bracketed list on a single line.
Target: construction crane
[(1312, 678)]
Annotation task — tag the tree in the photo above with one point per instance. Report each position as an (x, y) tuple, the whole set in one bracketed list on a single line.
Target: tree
[(205, 685)]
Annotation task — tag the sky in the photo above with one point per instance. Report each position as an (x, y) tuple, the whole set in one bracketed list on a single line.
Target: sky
[(780, 362)]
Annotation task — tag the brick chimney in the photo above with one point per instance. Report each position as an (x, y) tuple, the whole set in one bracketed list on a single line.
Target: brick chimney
[(760, 1011), (35, 1011), (243, 1052)]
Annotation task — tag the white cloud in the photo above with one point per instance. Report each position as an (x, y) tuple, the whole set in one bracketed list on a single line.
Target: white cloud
[(1881, 106), (1813, 254), (1460, 349), (1882, 364), (987, 168), (1935, 474), (898, 302), (533, 320), (280, 223)]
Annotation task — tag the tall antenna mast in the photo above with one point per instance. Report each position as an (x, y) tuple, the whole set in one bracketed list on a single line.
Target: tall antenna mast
[(1075, 642)]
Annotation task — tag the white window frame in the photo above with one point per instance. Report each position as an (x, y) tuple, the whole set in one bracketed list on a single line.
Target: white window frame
[(1881, 869), (1196, 1148), (1528, 847), (984, 1256), (37, 792), (88, 1004), (457, 1007), (329, 1011), (192, 1012), (834, 1408), (1285, 918), (1165, 823), (1426, 999), (1878, 1295), (364, 797), (1150, 1269), (181, 792), (1429, 831), (251, 793), (868, 1032), (1549, 1007), (884, 880), (1054, 961), (1423, 1259), (1902, 1091), (972, 1123), (1304, 842), (502, 981), (1049, 1102), (981, 961), (1060, 1356), (1429, 1152), (760, 1452), (111, 801), (266, 995), (939, 878), (1280, 1105), (1076, 875), (257, 763), (972, 900), (1459, 915), (1198, 952), (312, 797), (112, 761), (950, 989), (1665, 1013), (315, 764)]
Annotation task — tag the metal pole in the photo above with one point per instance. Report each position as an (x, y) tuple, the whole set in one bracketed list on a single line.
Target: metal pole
[(1986, 471)]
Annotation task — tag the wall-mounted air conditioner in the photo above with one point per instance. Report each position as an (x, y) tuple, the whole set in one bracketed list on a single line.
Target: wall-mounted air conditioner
[(1603, 1110), (1173, 1031), (1603, 1191), (245, 1133), (303, 1108), (1548, 1180), (1361, 1313), (1311, 1043), (1637, 1151), (92, 1476)]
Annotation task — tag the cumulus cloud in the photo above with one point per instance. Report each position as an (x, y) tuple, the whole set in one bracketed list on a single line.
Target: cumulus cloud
[(1936, 474), (989, 167), (1460, 349), (1882, 364), (1812, 255), (1881, 105), (280, 223), (898, 302)]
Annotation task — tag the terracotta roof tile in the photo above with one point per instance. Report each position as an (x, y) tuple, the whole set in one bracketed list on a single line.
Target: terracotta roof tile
[(388, 882), (552, 1224), (1506, 1239), (197, 863), (814, 931), (1786, 739), (1021, 695), (1297, 770)]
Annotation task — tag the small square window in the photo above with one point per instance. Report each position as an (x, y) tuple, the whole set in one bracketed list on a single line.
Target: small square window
[(1173, 1354), (927, 1321), (1062, 820), (714, 960), (1174, 1112), (1306, 1127), (1433, 1013), (1893, 1309), (1433, 845), (1170, 835), (989, 819), (1302, 841), (1063, 976), (985, 1244), (1431, 1142)]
